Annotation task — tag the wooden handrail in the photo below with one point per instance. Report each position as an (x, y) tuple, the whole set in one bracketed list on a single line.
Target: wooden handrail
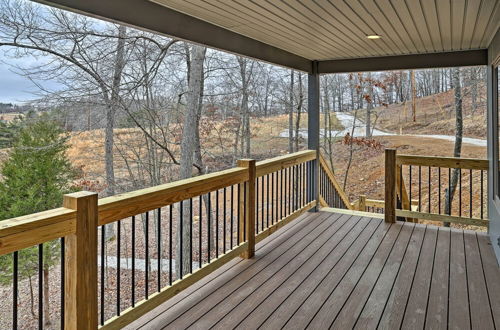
[(124, 205), (335, 183), (278, 163), (447, 162), (26, 231)]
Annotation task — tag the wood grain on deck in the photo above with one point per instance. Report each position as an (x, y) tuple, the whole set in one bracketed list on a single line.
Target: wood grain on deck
[(338, 271)]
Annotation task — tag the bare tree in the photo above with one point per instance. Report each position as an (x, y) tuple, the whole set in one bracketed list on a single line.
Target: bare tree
[(457, 150)]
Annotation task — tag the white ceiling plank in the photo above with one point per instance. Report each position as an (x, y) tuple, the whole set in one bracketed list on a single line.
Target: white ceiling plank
[(429, 11), (337, 29)]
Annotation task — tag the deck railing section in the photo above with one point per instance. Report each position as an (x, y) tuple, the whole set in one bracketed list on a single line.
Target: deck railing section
[(118, 254), (446, 189), (331, 193)]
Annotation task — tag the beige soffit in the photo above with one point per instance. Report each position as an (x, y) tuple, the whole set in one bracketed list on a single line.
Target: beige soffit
[(337, 29)]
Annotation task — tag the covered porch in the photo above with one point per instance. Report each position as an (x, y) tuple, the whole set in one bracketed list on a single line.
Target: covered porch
[(290, 250)]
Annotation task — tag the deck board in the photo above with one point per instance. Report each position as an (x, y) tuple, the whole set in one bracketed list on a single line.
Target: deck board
[(327, 270)]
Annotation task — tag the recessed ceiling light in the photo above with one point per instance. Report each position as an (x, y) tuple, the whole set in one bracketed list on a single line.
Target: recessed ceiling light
[(374, 36)]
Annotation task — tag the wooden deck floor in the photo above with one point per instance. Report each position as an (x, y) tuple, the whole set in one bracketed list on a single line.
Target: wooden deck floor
[(328, 270)]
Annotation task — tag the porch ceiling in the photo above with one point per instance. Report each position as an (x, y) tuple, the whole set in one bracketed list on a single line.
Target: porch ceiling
[(337, 29)]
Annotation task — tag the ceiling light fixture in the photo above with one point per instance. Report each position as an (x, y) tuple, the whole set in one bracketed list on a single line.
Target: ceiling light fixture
[(374, 36)]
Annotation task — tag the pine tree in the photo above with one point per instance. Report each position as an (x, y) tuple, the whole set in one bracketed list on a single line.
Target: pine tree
[(34, 179)]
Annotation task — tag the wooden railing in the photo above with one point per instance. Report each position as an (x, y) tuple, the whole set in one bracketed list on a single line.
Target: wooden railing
[(446, 189), (331, 193), (260, 198)]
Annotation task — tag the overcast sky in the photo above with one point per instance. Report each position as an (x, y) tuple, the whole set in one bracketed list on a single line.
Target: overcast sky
[(13, 87)]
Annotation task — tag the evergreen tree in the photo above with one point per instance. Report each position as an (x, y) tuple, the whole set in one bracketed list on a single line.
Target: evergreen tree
[(34, 179)]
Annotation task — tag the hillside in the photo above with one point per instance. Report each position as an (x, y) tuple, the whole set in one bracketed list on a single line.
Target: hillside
[(435, 114)]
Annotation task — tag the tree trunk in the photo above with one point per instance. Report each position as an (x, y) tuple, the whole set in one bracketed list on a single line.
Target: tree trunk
[(369, 107), (299, 111), (413, 95), (110, 119), (449, 193), (188, 146)]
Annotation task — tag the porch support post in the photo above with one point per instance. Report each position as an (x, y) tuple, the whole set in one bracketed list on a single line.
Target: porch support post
[(313, 129)]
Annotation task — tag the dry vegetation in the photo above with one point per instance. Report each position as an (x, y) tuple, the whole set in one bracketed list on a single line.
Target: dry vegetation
[(435, 115)]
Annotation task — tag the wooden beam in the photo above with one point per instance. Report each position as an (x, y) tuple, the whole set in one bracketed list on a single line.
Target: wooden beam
[(390, 185), (353, 212), (279, 163), (442, 218), (80, 280), (403, 62), (447, 162), (121, 206), (249, 208)]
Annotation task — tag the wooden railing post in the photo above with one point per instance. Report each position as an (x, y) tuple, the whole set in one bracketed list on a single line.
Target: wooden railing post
[(362, 203), (390, 185), (247, 228), (80, 285)]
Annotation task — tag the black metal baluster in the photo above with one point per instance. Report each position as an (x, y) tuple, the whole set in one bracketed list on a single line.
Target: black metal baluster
[(430, 170), (191, 235), (133, 262), (232, 215), (158, 251), (181, 234), (470, 192), (63, 279), (273, 195), (281, 194), (439, 190), (410, 184), (146, 262), (482, 201), (200, 234), (118, 264), (460, 193), (256, 205), (170, 256), (103, 252), (209, 225), (238, 241), (399, 201), (225, 219), (217, 223), (15, 284), (262, 203), (303, 185), (449, 191), (244, 211), (419, 189), (40, 286), (267, 200)]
